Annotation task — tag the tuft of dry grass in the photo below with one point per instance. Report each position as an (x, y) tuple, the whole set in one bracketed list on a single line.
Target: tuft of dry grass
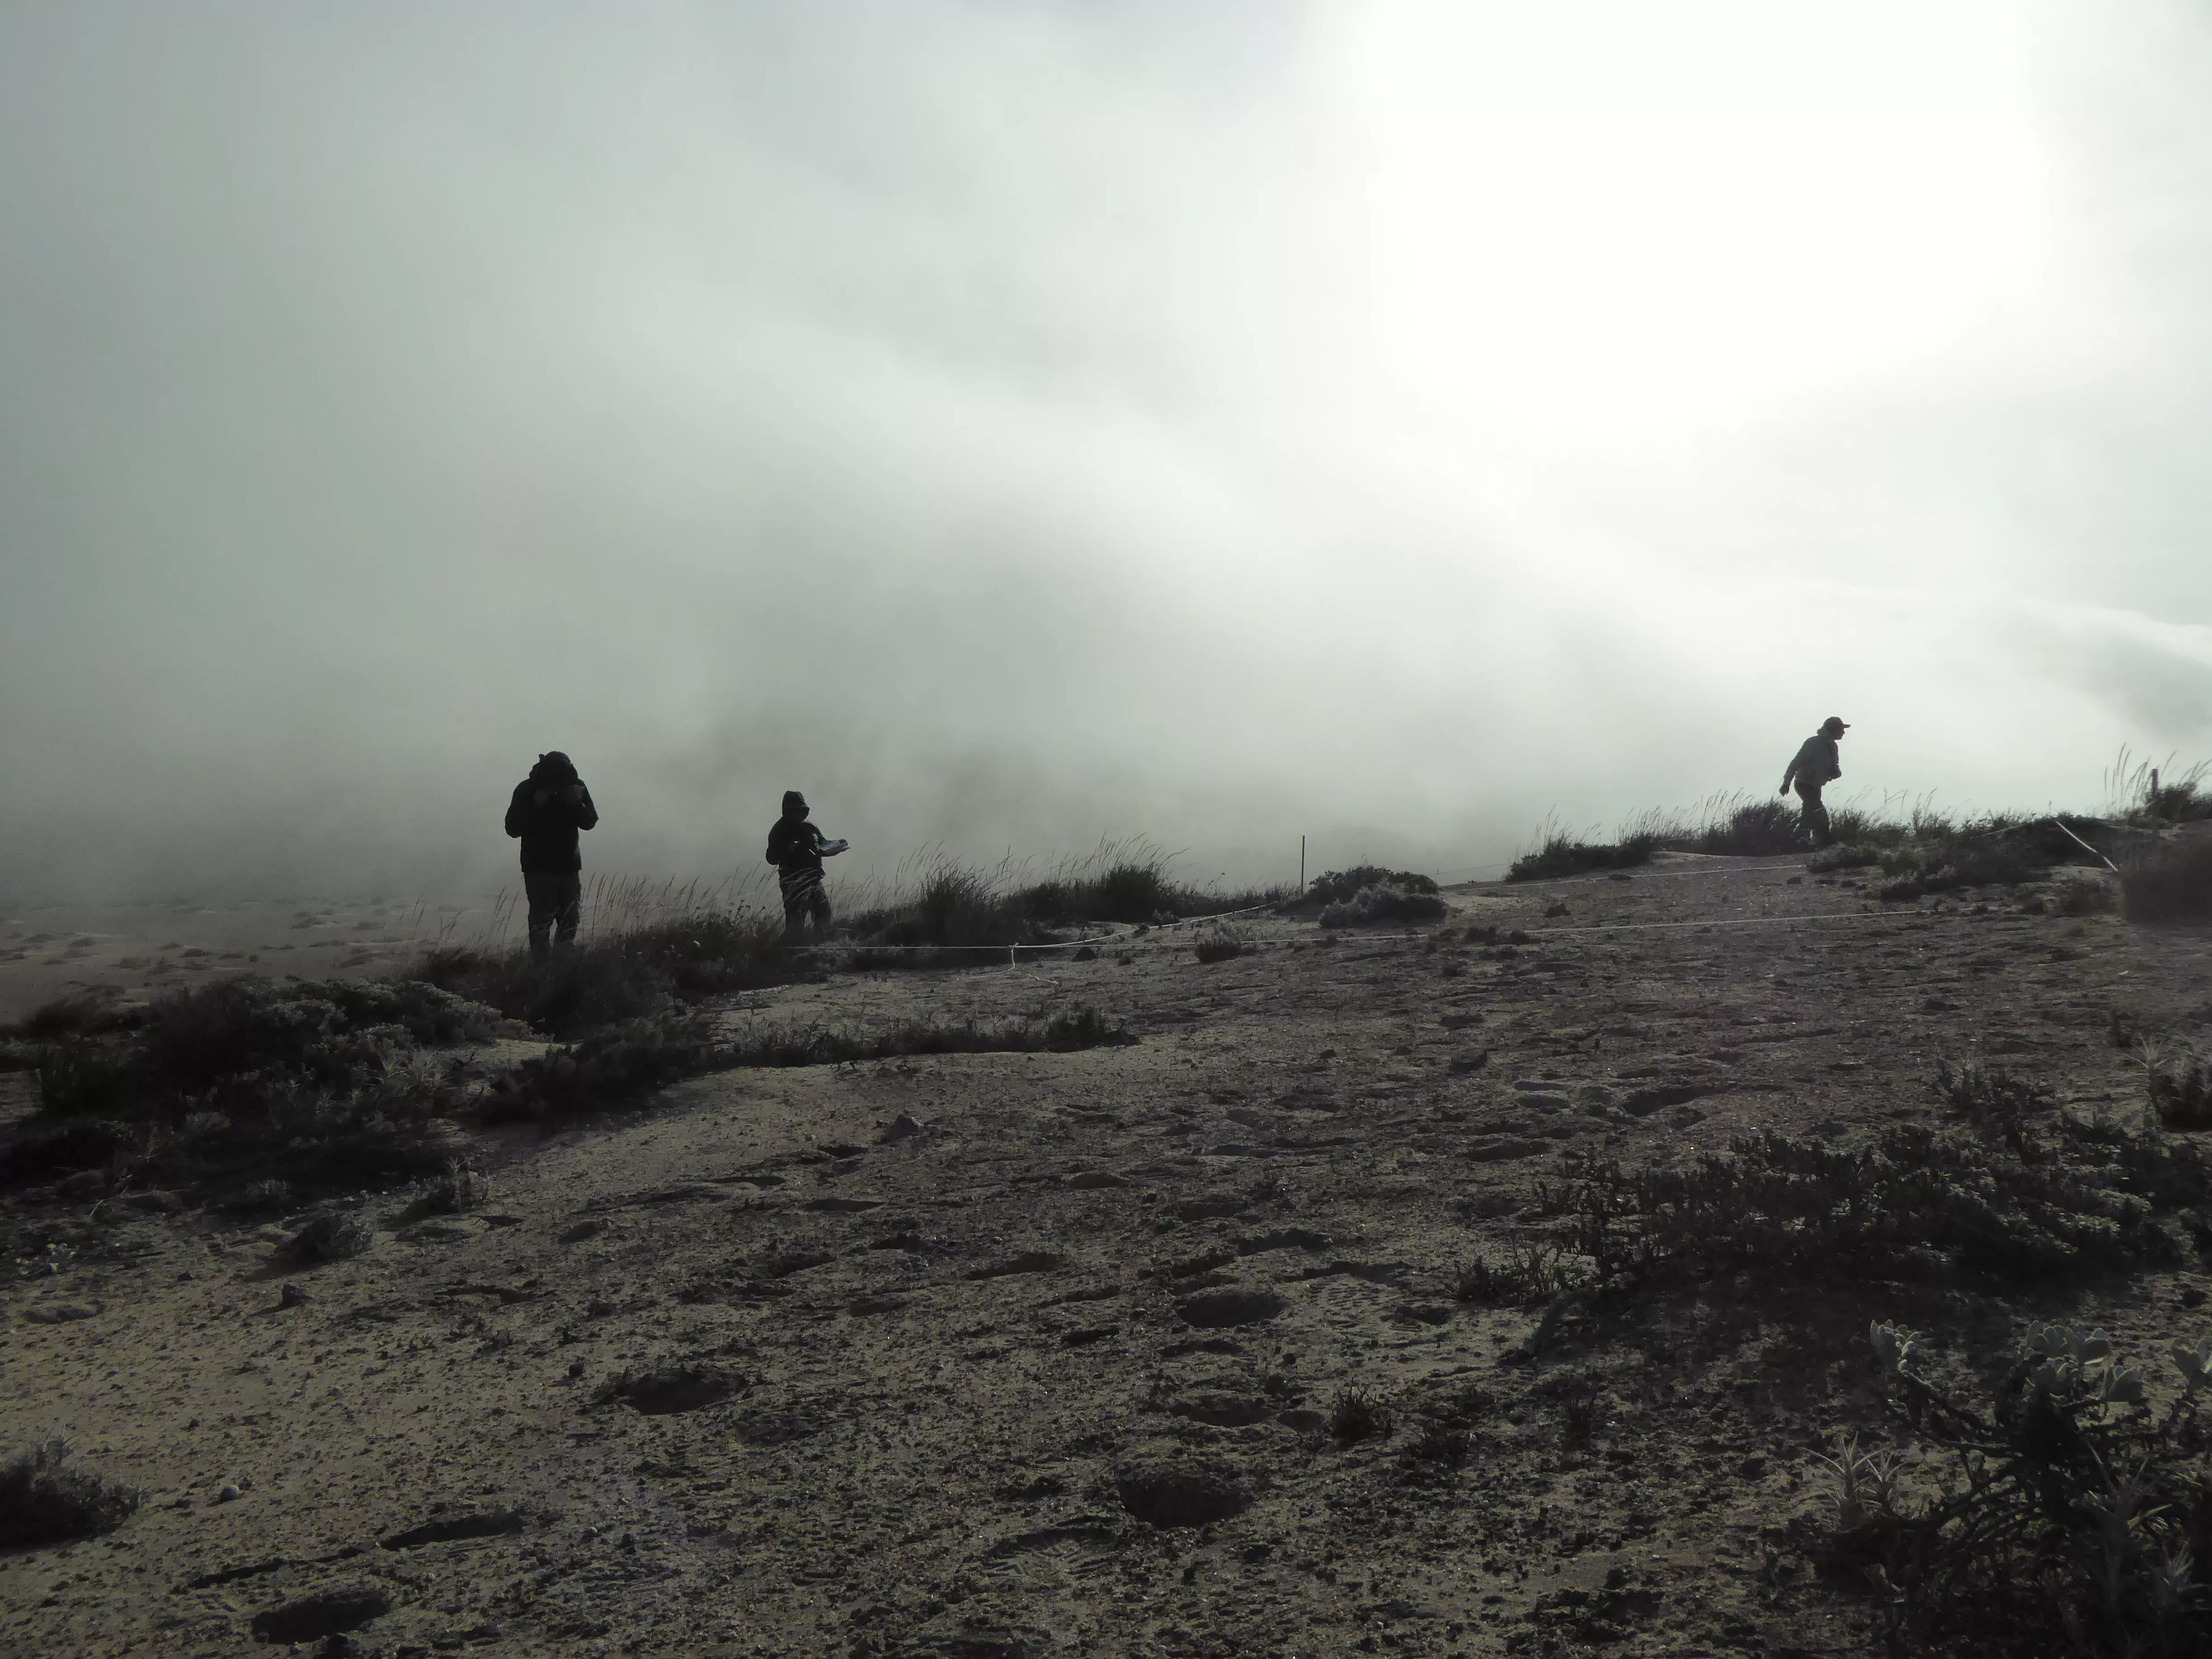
[(1218, 944)]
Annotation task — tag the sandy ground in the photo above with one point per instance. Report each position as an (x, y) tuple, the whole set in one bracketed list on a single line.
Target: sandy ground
[(937, 1366), (138, 951)]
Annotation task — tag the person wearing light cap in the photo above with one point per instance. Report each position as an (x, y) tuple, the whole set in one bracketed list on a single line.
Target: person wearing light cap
[(797, 849), (1816, 767), (549, 807)]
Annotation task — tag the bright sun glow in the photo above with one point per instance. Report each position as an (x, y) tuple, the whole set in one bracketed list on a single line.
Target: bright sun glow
[(1634, 231)]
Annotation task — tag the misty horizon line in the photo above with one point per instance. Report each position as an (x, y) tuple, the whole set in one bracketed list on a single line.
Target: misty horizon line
[(740, 883)]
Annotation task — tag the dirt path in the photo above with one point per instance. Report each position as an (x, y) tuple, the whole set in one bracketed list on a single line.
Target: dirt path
[(939, 1326)]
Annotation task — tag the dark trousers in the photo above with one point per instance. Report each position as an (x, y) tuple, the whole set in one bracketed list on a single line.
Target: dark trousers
[(804, 901), (556, 896), (1816, 815)]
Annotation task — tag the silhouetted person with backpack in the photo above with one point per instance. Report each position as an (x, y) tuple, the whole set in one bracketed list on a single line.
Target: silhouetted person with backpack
[(550, 807), (797, 849), (1817, 766)]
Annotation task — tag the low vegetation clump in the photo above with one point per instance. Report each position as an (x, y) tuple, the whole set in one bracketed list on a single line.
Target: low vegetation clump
[(1358, 1414), (660, 950), (47, 1497), (2172, 883), (333, 1235), (461, 1188), (1751, 830), (614, 1068), (1370, 905), (2083, 893), (1218, 944), (1993, 852), (329, 1084), (606, 1070), (1561, 855), (1917, 1205), (2179, 1084), (1844, 855), (1338, 886), (946, 906), (2066, 1508), (952, 906), (1063, 1033), (1994, 1101)]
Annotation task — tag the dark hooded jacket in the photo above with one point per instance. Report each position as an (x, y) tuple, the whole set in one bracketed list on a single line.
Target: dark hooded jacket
[(794, 846), (545, 819)]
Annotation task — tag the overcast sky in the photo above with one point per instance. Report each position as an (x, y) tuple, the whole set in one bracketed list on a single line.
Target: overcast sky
[(1018, 424)]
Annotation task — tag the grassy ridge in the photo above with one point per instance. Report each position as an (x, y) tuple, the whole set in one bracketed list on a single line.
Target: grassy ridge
[(1925, 851), (257, 1094)]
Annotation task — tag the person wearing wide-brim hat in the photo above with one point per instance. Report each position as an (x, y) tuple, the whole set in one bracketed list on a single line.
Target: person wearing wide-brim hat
[(1817, 766)]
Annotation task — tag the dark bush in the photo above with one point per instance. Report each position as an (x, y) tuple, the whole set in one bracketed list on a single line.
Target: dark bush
[(333, 1235), (2082, 893), (955, 907), (2180, 1089), (335, 1033), (609, 1069), (1844, 855), (1755, 830), (1916, 1205), (1370, 905), (1358, 1414), (1561, 855), (1218, 946), (2172, 883), (1994, 1101), (577, 990), (81, 1078), (46, 1498), (1340, 885), (1993, 853), (88, 1013), (613, 1068), (1853, 827), (2065, 1504), (47, 1152)]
